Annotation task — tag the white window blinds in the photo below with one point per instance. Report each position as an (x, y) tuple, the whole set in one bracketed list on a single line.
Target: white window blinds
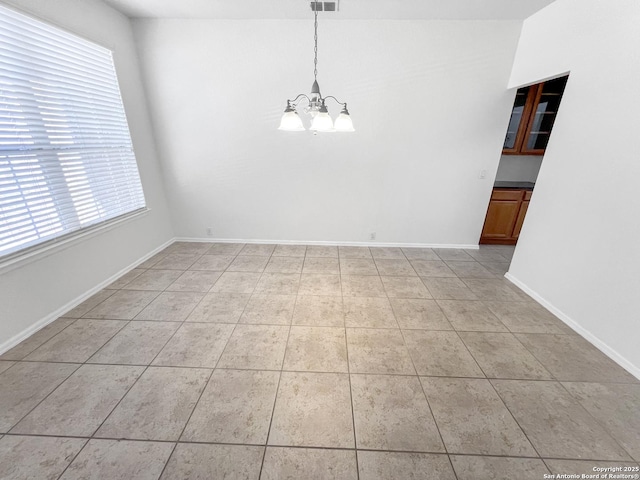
[(66, 159)]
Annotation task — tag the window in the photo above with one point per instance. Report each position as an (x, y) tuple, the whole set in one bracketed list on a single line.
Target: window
[(66, 158)]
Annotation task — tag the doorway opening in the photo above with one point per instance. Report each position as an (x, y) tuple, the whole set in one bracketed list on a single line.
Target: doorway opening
[(532, 118)]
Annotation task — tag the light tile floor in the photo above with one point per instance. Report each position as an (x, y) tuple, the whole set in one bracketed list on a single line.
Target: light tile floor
[(290, 362)]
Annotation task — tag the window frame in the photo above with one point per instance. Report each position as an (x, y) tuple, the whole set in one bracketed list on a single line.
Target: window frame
[(50, 246)]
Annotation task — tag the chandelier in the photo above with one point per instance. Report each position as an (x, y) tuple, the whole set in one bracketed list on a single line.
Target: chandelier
[(316, 108)]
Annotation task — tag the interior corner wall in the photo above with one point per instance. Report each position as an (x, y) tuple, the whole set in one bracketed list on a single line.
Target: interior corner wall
[(32, 291), (428, 99), (577, 249)]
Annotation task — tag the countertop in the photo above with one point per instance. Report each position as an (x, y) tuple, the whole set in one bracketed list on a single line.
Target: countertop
[(514, 185)]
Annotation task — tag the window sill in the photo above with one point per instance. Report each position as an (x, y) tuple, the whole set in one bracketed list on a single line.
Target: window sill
[(55, 245)]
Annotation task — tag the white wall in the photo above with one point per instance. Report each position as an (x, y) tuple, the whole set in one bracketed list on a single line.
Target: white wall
[(428, 100), (519, 168), (30, 293), (577, 250)]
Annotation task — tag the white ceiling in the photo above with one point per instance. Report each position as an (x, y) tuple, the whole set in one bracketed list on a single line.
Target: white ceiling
[(349, 9)]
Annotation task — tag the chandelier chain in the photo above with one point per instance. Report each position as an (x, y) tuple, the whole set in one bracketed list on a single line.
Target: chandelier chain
[(315, 39)]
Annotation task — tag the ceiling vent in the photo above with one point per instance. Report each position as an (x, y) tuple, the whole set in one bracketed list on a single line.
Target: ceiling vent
[(325, 6)]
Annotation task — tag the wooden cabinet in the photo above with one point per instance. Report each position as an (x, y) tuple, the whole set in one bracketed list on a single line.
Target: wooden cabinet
[(521, 214), (505, 216), (534, 112)]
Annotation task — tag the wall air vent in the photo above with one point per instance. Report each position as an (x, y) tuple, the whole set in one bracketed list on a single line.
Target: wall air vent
[(325, 6)]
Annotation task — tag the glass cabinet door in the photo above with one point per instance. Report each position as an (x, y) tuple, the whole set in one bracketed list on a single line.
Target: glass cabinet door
[(517, 116), (542, 119), (534, 112)]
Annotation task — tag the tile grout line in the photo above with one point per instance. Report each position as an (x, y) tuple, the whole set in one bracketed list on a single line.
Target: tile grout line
[(466, 349), (150, 364), (275, 401), (462, 330), (148, 302), (85, 363), (195, 405), (353, 414), (8, 432), (136, 381), (499, 397), (105, 343), (74, 458), (344, 321), (553, 377), (540, 380), (598, 422), (485, 375), (126, 322), (221, 355), (515, 419), (424, 394), (206, 384), (22, 359), (80, 365), (453, 329), (303, 447)]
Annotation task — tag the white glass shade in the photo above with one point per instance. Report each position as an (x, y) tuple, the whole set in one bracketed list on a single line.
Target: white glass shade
[(322, 123), (291, 122), (344, 123)]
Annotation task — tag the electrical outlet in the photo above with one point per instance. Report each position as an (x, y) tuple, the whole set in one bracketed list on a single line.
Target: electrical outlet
[(372, 236), (209, 232)]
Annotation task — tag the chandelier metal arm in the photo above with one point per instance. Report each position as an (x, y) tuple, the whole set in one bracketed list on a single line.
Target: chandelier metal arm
[(344, 104), (295, 100)]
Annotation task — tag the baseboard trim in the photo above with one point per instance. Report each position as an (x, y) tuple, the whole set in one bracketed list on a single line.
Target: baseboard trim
[(16, 339), (40, 324), (586, 334), (328, 243)]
